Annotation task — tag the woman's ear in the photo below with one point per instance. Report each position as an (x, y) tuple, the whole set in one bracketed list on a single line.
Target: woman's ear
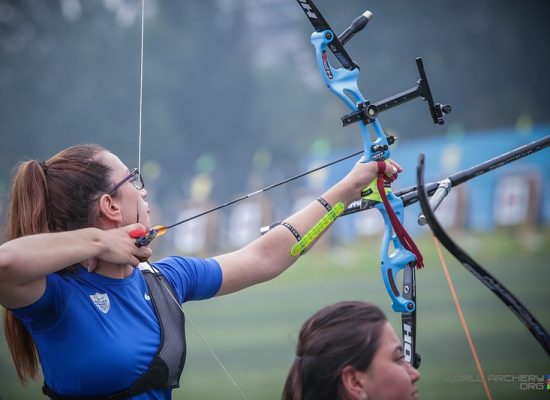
[(109, 209), (354, 383)]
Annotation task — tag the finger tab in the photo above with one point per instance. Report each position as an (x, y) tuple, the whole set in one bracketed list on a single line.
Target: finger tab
[(137, 233)]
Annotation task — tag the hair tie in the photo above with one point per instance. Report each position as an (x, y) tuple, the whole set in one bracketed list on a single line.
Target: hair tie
[(43, 165)]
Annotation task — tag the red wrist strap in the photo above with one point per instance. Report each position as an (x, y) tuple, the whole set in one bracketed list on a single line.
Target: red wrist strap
[(403, 236)]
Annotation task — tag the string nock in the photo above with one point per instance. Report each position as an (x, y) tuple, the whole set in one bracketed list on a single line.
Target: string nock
[(158, 230)]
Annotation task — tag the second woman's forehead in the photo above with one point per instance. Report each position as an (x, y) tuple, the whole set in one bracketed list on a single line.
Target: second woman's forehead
[(390, 340)]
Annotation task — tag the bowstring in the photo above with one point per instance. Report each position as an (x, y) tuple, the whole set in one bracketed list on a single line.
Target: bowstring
[(462, 319), (195, 327), (180, 306), (141, 82)]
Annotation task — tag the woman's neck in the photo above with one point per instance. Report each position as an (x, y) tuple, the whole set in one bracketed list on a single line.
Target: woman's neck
[(115, 271)]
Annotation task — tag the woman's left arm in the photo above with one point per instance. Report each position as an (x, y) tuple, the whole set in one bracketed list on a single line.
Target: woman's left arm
[(269, 255)]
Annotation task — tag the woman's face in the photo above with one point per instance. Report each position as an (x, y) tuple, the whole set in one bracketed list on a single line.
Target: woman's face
[(131, 201), (389, 376)]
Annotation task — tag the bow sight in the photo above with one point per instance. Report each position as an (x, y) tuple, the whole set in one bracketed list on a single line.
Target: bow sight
[(368, 112)]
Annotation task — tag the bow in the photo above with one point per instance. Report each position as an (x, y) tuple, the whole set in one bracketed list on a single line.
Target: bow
[(343, 83)]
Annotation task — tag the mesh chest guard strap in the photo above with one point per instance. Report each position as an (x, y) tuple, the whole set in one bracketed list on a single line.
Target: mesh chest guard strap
[(172, 322)]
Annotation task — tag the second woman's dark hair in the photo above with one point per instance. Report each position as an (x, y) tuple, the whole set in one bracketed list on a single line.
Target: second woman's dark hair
[(342, 334)]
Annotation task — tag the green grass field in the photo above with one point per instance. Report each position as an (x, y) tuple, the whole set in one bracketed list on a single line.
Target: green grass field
[(254, 332)]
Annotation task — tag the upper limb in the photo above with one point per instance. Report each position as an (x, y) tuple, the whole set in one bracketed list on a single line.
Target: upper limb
[(25, 261), (269, 255)]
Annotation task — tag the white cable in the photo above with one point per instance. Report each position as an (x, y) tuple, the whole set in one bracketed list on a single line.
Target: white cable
[(141, 82), (202, 337)]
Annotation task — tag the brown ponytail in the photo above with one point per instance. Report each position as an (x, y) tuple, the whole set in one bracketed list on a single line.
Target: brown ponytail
[(52, 196), (343, 334)]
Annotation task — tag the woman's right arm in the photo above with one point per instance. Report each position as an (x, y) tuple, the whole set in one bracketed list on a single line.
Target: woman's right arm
[(25, 261)]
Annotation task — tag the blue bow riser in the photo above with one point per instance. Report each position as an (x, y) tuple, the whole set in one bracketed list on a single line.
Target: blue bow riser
[(343, 83)]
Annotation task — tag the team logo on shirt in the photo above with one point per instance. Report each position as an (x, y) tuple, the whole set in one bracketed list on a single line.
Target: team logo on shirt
[(101, 300)]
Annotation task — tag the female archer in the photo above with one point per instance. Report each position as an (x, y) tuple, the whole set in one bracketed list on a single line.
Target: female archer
[(76, 304)]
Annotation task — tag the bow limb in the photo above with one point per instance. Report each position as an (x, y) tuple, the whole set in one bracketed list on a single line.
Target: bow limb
[(492, 283)]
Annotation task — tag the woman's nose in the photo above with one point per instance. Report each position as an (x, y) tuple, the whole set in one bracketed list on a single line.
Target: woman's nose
[(414, 374)]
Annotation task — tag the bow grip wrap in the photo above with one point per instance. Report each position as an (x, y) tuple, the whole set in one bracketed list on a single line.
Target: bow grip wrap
[(394, 263)]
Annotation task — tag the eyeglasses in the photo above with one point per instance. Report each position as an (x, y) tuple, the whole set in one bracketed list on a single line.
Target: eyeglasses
[(134, 177)]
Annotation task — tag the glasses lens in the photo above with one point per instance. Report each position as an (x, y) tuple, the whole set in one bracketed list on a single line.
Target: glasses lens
[(136, 180)]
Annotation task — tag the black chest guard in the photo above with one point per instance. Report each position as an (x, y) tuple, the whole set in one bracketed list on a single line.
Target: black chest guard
[(167, 365)]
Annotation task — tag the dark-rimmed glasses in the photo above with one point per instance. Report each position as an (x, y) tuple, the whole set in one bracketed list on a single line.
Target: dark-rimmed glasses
[(134, 177)]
